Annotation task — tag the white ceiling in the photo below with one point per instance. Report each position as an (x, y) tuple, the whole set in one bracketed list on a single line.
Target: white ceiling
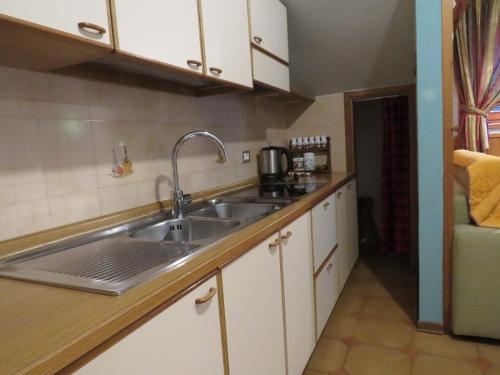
[(342, 45)]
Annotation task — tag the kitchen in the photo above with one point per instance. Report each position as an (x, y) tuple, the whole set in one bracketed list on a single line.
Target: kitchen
[(171, 200)]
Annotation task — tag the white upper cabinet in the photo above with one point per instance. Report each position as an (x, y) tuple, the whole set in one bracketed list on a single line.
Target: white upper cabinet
[(165, 31), (184, 339), (83, 18), (270, 72), (270, 27), (225, 36), (324, 223), (298, 289), (254, 312)]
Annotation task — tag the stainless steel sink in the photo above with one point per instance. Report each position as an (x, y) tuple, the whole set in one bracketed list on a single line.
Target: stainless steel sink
[(229, 210), (114, 260), (185, 230)]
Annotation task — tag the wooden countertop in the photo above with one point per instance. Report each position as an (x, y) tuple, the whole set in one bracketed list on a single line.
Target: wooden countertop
[(43, 329)]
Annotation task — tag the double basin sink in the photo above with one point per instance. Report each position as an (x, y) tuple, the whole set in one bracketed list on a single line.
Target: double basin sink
[(114, 260)]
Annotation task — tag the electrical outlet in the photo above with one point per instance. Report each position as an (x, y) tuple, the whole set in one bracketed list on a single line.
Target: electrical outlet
[(246, 156)]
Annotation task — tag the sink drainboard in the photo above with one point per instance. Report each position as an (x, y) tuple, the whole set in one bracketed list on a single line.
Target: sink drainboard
[(109, 266)]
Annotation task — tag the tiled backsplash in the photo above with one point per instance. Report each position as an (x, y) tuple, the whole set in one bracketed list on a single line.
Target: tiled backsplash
[(57, 134)]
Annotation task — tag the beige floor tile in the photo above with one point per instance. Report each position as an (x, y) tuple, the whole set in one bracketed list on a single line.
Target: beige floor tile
[(374, 360), (383, 332), (328, 356), (493, 371), (384, 309), (430, 365), (491, 353), (348, 305), (312, 372), (340, 326), (445, 346)]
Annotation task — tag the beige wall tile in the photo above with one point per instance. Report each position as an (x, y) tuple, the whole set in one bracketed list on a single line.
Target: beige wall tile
[(429, 365), (57, 133)]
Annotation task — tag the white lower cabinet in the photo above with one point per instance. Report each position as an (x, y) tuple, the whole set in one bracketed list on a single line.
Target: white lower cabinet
[(184, 339), (327, 292), (352, 217), (254, 312), (298, 293), (324, 229), (343, 237)]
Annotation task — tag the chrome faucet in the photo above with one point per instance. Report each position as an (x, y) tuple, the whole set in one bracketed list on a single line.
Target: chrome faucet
[(179, 199)]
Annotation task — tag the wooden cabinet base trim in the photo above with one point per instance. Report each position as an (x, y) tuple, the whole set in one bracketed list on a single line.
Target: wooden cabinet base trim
[(223, 328), (325, 262), (26, 45), (430, 327), (271, 55)]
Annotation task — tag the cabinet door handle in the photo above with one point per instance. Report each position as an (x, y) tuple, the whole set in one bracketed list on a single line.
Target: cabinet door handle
[(329, 267), (349, 186), (211, 293), (274, 244), (257, 39), (194, 63), (339, 194), (217, 71), (287, 235), (92, 26), (326, 204)]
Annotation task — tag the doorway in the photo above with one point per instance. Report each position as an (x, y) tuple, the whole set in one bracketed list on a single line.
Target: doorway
[(382, 150)]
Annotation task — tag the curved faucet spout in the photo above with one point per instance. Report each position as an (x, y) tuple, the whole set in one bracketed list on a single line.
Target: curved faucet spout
[(177, 195)]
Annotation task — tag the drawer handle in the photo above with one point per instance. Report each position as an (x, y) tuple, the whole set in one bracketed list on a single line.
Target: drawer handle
[(257, 39), (211, 294), (194, 63), (326, 204), (287, 235), (329, 267), (274, 244), (92, 26), (217, 71)]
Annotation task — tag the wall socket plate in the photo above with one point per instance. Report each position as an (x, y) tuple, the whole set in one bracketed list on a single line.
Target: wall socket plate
[(246, 156)]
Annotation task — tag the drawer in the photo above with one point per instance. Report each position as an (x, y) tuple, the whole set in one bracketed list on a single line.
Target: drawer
[(324, 230), (270, 72), (327, 292)]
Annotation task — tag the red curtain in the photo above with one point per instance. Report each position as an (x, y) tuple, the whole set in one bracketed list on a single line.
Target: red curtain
[(395, 199)]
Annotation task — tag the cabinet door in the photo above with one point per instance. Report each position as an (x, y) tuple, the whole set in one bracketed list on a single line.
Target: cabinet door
[(298, 289), (352, 208), (270, 26), (83, 18), (225, 36), (254, 312), (343, 236), (183, 339), (270, 72), (327, 291), (166, 31), (324, 229)]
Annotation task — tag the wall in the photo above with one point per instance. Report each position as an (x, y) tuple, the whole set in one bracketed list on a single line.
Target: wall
[(57, 133), (323, 117), (368, 123), (430, 160)]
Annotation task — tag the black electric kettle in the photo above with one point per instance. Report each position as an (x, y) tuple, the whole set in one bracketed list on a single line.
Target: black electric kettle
[(270, 163)]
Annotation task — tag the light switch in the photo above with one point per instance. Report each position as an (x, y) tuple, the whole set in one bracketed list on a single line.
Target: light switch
[(246, 156)]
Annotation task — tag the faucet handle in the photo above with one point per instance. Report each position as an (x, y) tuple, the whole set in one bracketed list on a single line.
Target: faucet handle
[(187, 199)]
